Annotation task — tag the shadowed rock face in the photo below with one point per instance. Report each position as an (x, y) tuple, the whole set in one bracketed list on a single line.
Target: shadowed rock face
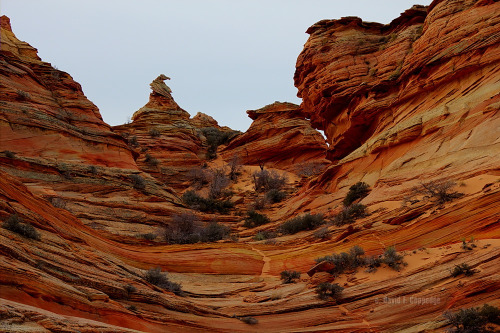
[(434, 118), (279, 137)]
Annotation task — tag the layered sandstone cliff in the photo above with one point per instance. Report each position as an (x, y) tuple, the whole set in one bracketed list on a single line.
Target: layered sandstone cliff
[(279, 137), (401, 105)]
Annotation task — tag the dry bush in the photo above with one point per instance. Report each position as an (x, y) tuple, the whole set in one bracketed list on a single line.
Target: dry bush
[(234, 167), (219, 181), (265, 181), (198, 177)]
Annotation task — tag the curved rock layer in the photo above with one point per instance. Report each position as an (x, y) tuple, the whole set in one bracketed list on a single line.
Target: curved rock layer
[(54, 139), (279, 137), (405, 103), (430, 121)]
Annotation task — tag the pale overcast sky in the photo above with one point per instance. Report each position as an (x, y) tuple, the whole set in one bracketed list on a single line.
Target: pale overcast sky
[(224, 56)]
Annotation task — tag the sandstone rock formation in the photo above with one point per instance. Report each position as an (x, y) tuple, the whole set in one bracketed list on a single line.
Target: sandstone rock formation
[(401, 105), (279, 137), (54, 138)]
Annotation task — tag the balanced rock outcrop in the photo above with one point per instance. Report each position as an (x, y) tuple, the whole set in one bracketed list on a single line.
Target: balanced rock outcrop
[(279, 137)]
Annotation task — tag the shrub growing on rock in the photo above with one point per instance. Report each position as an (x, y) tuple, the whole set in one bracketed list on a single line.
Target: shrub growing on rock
[(289, 276), (138, 182), (464, 269), (265, 180), (159, 279), (255, 219), (154, 132), (249, 320), (214, 231), (350, 214), (15, 224), (327, 290), (210, 205), (264, 235), (392, 259), (300, 223), (275, 195), (356, 191), (473, 319)]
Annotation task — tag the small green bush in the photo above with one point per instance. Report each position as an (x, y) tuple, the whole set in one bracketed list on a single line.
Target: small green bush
[(150, 236), (441, 191), (300, 223), (159, 279), (464, 269), (275, 195), (264, 235), (138, 182), (132, 141), (249, 320), (392, 259), (350, 214), (289, 276), (327, 290), (9, 154), (154, 132), (356, 191), (255, 219), (15, 224), (345, 260), (210, 205), (473, 319), (215, 138), (23, 95), (214, 231), (149, 159), (265, 180)]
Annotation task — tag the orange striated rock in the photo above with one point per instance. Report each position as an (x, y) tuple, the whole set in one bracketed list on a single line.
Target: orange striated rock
[(43, 107), (279, 137), (405, 103)]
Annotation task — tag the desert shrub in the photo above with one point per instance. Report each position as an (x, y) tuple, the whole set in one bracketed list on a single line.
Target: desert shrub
[(310, 169), (23, 95), (219, 181), (138, 182), (300, 223), (264, 235), (159, 279), (260, 203), (214, 231), (132, 141), (58, 202), (265, 180), (129, 289), (154, 132), (93, 170), (186, 228), (440, 191), (372, 263), (356, 191), (183, 229), (275, 195), (234, 167), (197, 202), (321, 233), (215, 138), (132, 308), (15, 224), (392, 259), (198, 177), (152, 161), (350, 214), (150, 236), (9, 154), (255, 219), (464, 269), (473, 320), (344, 261), (249, 320), (327, 290), (289, 276)]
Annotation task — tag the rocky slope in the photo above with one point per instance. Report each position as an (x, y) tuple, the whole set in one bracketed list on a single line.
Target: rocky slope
[(401, 105)]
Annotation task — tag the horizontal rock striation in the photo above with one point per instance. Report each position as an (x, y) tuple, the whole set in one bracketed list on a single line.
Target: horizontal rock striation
[(279, 137)]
